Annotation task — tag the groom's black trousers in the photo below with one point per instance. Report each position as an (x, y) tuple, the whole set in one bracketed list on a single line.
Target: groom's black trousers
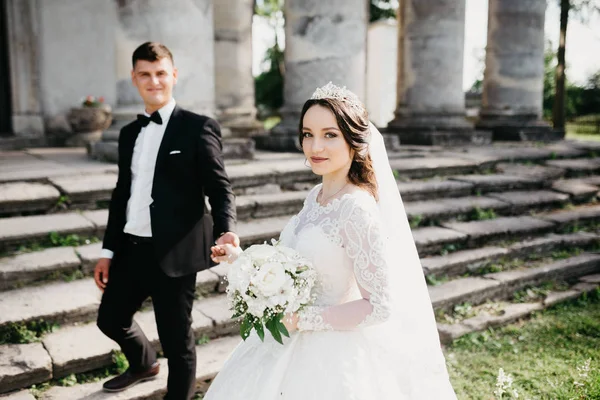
[(134, 276)]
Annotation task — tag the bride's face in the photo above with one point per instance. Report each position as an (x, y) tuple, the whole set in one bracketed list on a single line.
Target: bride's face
[(323, 143)]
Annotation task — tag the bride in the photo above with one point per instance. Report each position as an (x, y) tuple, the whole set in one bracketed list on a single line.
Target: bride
[(371, 333)]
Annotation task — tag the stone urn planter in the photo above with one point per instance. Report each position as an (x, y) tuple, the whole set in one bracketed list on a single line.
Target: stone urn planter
[(87, 124)]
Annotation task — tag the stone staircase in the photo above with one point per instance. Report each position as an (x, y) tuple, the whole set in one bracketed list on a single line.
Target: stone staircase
[(502, 232)]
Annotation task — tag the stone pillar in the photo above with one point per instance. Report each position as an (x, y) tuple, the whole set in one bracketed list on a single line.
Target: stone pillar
[(77, 53), (234, 83), (430, 98), (324, 41), (24, 53), (513, 81), (186, 28)]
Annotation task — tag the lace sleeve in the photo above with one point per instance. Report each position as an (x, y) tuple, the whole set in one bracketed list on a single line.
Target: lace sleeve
[(362, 239)]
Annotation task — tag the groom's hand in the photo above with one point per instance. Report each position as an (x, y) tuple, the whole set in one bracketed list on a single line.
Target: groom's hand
[(229, 238), (101, 273)]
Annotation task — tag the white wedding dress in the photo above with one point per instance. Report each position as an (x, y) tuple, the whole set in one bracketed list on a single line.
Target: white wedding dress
[(344, 348)]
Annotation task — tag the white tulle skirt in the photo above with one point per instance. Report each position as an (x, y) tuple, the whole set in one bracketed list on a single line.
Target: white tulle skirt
[(336, 365)]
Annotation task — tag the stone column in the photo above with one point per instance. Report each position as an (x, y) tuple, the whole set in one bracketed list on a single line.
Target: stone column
[(186, 28), (234, 83), (430, 98), (513, 81), (23, 31), (324, 41)]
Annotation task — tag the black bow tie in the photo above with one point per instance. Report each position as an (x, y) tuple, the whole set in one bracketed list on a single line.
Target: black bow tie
[(144, 120)]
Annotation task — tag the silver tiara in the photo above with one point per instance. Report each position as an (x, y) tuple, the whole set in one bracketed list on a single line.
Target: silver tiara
[(331, 91)]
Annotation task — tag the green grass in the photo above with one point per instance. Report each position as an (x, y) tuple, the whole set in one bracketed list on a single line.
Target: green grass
[(578, 132), (543, 355), (29, 332)]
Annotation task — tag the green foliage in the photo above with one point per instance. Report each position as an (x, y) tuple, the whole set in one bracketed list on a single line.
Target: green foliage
[(22, 333), (415, 221), (480, 214), (450, 248), (58, 240), (269, 85), (382, 9), (204, 339), (433, 280)]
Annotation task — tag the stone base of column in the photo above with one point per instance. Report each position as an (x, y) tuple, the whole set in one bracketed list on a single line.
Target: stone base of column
[(283, 137), (437, 130), (442, 138), (240, 122), (519, 129)]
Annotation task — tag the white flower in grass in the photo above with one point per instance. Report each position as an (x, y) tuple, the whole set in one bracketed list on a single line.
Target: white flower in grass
[(504, 385)]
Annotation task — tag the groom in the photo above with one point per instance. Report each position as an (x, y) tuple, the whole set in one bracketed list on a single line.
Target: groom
[(159, 232)]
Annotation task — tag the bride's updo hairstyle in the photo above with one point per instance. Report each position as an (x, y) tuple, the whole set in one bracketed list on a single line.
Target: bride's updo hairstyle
[(353, 120)]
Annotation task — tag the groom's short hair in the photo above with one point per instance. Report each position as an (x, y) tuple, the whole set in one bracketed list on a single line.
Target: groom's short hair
[(151, 51)]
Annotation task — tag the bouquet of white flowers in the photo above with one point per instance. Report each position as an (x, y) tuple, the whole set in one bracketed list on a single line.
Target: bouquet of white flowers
[(266, 282)]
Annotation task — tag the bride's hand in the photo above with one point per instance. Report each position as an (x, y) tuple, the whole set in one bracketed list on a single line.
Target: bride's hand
[(224, 253), (291, 322)]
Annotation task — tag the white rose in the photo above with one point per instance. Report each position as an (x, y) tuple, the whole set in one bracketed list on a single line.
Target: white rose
[(269, 278), (260, 252), (285, 294)]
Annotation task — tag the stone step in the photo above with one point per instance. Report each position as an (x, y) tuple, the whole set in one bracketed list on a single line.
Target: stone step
[(577, 167), (461, 262), (579, 190), (477, 233), (506, 203), (86, 190), (15, 231), (210, 359), (19, 197), (41, 265), (524, 201), (22, 395), (22, 365), (501, 285), (512, 312), (580, 216)]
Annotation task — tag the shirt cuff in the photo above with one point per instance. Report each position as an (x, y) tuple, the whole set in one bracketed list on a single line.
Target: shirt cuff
[(106, 253)]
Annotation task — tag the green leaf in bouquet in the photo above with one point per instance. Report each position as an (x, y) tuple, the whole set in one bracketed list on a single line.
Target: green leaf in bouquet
[(237, 314), (274, 329), (260, 330), (281, 326), (246, 327)]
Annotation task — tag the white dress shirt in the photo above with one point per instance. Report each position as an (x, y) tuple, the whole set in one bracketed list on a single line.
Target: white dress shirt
[(143, 162)]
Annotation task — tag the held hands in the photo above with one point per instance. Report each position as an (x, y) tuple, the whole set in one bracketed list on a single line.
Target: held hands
[(227, 248), (101, 273)]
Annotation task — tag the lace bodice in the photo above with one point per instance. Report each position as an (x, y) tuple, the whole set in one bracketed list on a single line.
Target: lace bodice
[(343, 241)]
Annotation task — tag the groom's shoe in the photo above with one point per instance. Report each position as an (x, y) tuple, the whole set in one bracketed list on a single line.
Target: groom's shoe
[(128, 379)]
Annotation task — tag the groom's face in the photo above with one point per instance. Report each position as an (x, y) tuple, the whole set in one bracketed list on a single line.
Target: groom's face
[(154, 81)]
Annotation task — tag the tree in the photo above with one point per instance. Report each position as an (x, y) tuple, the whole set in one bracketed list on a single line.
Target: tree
[(583, 8), (269, 85)]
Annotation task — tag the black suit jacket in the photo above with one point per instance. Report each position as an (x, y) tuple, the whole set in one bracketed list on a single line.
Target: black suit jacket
[(182, 230)]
